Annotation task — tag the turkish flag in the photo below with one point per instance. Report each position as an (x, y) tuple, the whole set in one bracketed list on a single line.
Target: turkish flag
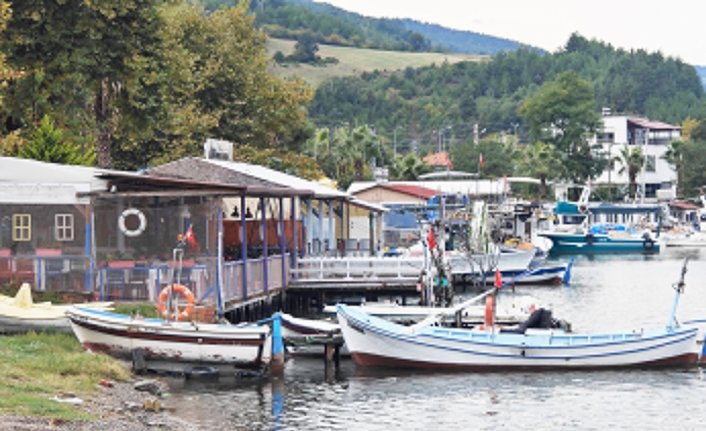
[(480, 160), (191, 239), (431, 241)]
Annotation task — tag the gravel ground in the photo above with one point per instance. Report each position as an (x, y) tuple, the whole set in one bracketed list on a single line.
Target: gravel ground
[(117, 408)]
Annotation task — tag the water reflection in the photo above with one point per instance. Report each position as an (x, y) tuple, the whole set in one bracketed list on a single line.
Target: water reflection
[(609, 293)]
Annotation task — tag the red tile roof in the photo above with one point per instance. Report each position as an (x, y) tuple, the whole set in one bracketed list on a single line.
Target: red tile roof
[(411, 189), (438, 159), (686, 206)]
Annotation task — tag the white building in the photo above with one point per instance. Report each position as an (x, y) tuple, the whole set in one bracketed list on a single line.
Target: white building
[(658, 178)]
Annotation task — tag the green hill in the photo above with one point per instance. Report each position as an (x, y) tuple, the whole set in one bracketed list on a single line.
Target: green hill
[(355, 61)]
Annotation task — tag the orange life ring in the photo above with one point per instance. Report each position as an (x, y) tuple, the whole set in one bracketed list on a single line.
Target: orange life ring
[(489, 311), (185, 293)]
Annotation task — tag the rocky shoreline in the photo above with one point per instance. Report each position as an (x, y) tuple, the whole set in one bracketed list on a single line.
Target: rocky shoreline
[(136, 405)]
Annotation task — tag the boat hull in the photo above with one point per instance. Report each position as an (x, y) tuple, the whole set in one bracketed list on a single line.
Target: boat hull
[(15, 325), (374, 342), (120, 335), (579, 243)]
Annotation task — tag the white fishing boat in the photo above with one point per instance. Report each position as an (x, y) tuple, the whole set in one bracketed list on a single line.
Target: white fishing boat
[(119, 335), (373, 341)]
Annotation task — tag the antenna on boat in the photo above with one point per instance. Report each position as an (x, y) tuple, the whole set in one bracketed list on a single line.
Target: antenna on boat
[(679, 289), (178, 260)]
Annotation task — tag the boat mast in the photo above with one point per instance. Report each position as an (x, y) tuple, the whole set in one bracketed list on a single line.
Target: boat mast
[(678, 290)]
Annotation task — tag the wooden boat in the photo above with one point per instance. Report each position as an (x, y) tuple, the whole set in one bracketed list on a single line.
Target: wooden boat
[(21, 314), (119, 335), (373, 341)]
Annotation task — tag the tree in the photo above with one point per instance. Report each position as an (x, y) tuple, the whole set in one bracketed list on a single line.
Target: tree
[(498, 157), (408, 168), (675, 157), (79, 58), (305, 49), (543, 161), (228, 63), (632, 161), (48, 144), (562, 113)]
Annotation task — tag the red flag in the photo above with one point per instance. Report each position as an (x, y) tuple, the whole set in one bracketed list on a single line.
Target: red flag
[(498, 279), (480, 160), (191, 239), (431, 241)]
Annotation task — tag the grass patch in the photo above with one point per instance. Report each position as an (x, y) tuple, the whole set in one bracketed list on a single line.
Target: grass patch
[(144, 309), (35, 367), (354, 61)]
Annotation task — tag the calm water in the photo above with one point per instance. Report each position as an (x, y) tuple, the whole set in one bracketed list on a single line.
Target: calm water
[(607, 292)]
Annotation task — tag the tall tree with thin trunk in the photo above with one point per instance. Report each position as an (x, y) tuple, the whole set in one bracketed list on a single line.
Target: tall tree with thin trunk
[(632, 161), (79, 58)]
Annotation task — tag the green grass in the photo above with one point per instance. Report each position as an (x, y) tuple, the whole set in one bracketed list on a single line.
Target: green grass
[(144, 309), (354, 61), (35, 367)]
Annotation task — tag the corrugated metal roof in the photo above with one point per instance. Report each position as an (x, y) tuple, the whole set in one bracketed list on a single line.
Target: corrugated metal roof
[(280, 178)]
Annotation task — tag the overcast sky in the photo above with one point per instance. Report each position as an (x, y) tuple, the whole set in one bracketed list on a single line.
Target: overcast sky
[(677, 28)]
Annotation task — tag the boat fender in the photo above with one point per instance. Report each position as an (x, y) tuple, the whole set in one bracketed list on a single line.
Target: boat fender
[(590, 239), (142, 222), (489, 311), (648, 243), (185, 293)]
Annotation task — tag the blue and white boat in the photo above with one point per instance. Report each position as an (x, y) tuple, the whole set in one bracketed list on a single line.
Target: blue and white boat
[(588, 242), (585, 227), (373, 341)]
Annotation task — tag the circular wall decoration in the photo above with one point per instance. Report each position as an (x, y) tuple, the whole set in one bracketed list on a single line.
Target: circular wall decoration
[(132, 228)]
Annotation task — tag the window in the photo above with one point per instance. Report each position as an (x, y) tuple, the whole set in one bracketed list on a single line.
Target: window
[(606, 138), (64, 227), (21, 227), (650, 164)]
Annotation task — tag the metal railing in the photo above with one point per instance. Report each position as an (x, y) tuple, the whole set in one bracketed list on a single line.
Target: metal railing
[(351, 268)]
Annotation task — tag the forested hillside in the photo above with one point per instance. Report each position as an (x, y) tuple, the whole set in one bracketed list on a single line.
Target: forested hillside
[(466, 42), (290, 19), (416, 104)]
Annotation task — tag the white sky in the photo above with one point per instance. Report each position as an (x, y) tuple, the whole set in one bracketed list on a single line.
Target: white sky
[(677, 28)]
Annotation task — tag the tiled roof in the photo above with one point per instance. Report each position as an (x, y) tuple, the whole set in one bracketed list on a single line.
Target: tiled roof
[(686, 206), (652, 125), (412, 190), (438, 159)]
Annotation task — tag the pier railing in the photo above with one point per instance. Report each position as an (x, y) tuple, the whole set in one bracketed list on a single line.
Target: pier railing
[(351, 269)]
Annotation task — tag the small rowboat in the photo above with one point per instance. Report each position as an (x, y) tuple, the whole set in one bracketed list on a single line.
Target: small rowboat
[(20, 313), (119, 335)]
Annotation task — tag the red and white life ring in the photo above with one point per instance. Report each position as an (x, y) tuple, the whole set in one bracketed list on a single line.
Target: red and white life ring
[(182, 291)]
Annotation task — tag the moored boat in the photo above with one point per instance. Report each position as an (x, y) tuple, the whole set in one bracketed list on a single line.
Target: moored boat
[(20, 313), (376, 342), (120, 335), (568, 242)]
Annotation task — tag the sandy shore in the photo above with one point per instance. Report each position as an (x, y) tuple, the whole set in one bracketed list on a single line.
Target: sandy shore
[(117, 408)]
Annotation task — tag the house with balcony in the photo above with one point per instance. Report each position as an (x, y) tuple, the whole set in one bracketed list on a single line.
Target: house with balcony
[(658, 179)]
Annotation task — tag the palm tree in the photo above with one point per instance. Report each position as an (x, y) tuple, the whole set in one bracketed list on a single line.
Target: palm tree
[(543, 161), (408, 168), (632, 161), (674, 156)]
